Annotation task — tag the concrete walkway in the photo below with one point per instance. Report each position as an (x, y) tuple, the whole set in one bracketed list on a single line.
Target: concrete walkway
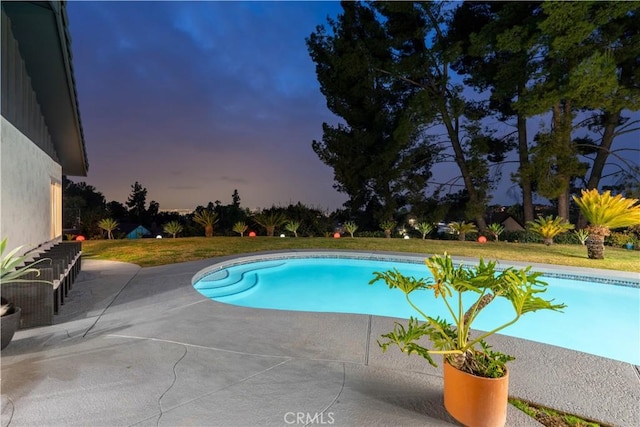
[(141, 347)]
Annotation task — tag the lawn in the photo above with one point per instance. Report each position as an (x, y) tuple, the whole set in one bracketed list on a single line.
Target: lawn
[(152, 252)]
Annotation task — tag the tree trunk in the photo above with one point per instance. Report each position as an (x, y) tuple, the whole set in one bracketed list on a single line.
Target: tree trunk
[(610, 123), (462, 237), (270, 231), (208, 231), (548, 241), (595, 246), (387, 234), (474, 199), (563, 204), (525, 179)]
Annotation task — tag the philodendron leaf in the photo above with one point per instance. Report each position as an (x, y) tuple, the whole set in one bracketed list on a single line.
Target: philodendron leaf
[(395, 279), (522, 289), (405, 338)]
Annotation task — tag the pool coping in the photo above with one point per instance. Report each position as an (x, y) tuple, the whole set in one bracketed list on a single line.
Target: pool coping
[(608, 277)]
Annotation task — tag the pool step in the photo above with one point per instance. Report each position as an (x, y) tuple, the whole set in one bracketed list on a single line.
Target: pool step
[(249, 281), (239, 279)]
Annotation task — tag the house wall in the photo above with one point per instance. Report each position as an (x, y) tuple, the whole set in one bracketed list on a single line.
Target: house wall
[(26, 177)]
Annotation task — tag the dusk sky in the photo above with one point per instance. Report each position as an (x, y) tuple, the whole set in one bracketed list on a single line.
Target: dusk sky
[(196, 99)]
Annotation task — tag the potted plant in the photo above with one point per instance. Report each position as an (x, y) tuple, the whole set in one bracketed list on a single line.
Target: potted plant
[(12, 270), (475, 376)]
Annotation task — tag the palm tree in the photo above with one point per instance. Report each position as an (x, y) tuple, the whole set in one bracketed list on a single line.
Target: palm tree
[(108, 225), (292, 226), (270, 221), (173, 228), (549, 227), (604, 212), (240, 227), (462, 228), (424, 228), (350, 227), (387, 226), (207, 219)]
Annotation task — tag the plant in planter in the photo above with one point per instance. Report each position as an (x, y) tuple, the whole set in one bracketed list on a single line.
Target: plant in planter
[(466, 358), (12, 270)]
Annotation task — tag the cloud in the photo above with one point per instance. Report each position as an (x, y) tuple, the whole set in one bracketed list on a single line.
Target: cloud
[(193, 98)]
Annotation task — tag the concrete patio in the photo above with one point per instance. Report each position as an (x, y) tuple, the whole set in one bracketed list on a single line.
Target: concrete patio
[(139, 346)]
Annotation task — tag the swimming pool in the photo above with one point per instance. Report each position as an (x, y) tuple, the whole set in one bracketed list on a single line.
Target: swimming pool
[(601, 319)]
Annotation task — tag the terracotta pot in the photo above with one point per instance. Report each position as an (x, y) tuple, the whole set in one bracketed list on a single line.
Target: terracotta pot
[(8, 326), (475, 401)]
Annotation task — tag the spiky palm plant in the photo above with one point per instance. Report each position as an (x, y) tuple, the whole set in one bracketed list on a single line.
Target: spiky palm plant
[(424, 228), (350, 227), (582, 236), (108, 225), (495, 230), (292, 226), (240, 227), (462, 228), (604, 212), (549, 227), (270, 221), (12, 270), (173, 228), (387, 226), (207, 219)]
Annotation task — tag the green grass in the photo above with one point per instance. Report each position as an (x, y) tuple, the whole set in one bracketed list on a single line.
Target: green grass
[(152, 252), (550, 417)]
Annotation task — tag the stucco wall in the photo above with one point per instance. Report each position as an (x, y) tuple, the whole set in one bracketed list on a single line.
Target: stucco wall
[(26, 173)]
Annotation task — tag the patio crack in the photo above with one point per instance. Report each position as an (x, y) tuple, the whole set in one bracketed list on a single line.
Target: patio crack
[(335, 399), (13, 410), (175, 378)]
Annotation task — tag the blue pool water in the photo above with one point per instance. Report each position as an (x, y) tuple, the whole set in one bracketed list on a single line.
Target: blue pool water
[(600, 319)]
